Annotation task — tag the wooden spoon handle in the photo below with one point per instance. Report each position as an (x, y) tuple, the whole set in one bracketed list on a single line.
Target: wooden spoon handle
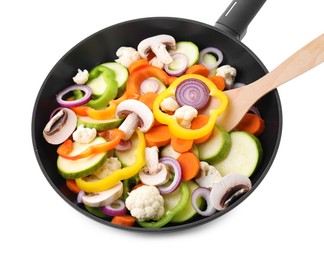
[(301, 61)]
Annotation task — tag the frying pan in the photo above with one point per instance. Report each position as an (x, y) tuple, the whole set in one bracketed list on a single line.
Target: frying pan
[(101, 47)]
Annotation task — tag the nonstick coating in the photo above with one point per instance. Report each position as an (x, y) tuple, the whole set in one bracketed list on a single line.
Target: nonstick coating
[(101, 47)]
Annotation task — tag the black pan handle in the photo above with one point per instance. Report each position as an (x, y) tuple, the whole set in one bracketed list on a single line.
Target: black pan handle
[(238, 16)]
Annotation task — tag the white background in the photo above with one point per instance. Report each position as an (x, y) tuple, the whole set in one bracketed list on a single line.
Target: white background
[(282, 219)]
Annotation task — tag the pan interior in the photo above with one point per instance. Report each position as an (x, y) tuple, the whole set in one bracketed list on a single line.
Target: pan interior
[(101, 47)]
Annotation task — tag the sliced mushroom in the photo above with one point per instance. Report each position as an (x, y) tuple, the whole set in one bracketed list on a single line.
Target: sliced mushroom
[(229, 189), (159, 44), (60, 126), (137, 114), (154, 173), (103, 198)]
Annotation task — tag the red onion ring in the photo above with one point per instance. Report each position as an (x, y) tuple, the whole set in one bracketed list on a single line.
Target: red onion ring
[(174, 164), (181, 61), (74, 103), (254, 110), (124, 145), (192, 92), (79, 196), (117, 208), (211, 50), (204, 193), (149, 85)]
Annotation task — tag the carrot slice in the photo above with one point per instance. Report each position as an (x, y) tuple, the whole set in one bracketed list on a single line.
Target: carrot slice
[(251, 123), (158, 136), (198, 69), (148, 99), (181, 145), (218, 81), (125, 220), (71, 184), (190, 165), (199, 122)]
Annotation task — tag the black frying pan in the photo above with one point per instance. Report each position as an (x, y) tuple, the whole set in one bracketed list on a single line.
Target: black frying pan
[(101, 47)]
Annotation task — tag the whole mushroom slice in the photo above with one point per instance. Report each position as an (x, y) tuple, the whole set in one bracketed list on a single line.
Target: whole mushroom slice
[(138, 114), (155, 173), (159, 44), (60, 126), (228, 190), (103, 198)]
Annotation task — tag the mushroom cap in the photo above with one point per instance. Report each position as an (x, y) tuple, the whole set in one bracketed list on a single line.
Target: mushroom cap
[(103, 198), (228, 189), (159, 178), (144, 114), (145, 45), (64, 128)]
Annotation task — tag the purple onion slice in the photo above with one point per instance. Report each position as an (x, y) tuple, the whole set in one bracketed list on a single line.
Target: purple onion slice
[(192, 92)]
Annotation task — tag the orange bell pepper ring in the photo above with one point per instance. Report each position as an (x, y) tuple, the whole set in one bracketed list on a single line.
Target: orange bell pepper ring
[(114, 135), (137, 76)]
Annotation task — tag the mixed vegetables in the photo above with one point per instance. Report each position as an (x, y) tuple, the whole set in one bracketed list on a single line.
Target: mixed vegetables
[(138, 140)]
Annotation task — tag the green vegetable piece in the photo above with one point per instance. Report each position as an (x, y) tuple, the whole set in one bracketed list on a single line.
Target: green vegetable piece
[(96, 211), (105, 91), (184, 191)]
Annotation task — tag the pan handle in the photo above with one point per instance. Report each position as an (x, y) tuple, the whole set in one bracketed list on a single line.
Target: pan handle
[(238, 16)]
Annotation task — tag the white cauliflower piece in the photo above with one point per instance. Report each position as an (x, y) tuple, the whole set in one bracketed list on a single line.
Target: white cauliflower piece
[(81, 77), (127, 55), (156, 63), (184, 115), (145, 203), (208, 175), (84, 135), (228, 73), (109, 166), (169, 104)]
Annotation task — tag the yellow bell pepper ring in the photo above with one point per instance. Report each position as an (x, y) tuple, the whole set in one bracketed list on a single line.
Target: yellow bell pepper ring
[(118, 175), (170, 120)]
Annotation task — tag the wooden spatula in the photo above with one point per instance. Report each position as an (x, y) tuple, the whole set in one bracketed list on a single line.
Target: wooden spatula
[(241, 99)]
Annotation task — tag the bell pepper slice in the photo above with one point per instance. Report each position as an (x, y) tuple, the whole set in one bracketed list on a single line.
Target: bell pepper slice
[(118, 175), (137, 76), (184, 191), (100, 114), (111, 86), (170, 120), (115, 135)]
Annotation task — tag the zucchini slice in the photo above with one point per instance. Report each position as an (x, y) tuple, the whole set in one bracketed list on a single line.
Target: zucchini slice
[(73, 169), (244, 156), (216, 148)]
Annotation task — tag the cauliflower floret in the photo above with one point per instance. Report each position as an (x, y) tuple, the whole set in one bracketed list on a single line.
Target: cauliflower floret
[(127, 55), (110, 165), (145, 203), (228, 73), (208, 175), (169, 104), (84, 135), (81, 77), (184, 115)]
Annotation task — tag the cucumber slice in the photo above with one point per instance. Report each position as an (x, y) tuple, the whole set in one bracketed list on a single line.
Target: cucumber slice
[(244, 155), (172, 199), (73, 169), (190, 49), (121, 75), (216, 148), (99, 124), (127, 158)]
